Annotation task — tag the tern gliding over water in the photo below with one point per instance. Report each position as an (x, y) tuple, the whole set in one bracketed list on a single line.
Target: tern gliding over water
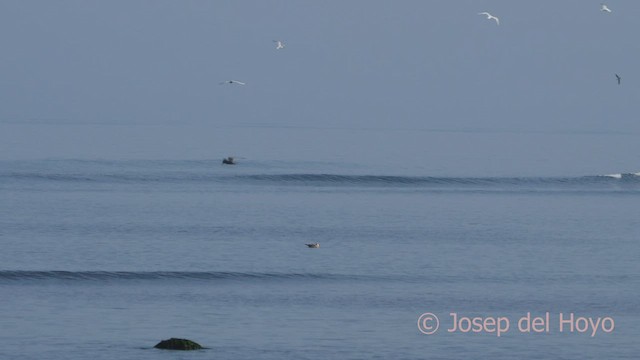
[(489, 17), (618, 78), (232, 82), (605, 8), (279, 44)]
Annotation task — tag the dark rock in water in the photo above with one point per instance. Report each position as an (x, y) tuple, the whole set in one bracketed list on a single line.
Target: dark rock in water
[(178, 344)]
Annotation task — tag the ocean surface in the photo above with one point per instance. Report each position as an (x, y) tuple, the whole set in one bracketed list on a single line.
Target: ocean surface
[(102, 259)]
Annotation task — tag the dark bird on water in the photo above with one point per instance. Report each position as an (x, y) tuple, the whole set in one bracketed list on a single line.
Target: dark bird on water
[(619, 78)]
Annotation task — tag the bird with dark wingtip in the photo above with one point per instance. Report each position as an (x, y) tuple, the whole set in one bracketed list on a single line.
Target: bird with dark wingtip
[(618, 78)]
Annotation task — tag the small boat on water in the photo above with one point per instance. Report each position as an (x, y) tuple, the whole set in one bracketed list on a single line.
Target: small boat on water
[(313, 246)]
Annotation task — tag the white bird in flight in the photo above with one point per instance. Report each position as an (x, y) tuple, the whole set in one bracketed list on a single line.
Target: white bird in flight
[(232, 82), (605, 8), (489, 17), (279, 44)]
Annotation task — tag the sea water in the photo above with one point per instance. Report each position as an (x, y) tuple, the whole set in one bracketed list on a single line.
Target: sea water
[(102, 259)]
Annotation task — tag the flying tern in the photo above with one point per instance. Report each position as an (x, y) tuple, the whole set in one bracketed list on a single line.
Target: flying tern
[(490, 17), (605, 8), (279, 44), (618, 78), (232, 82)]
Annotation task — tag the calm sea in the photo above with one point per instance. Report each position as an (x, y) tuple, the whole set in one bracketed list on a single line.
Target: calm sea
[(103, 259)]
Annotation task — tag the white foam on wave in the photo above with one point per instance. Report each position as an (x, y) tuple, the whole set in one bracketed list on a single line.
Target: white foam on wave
[(615, 176)]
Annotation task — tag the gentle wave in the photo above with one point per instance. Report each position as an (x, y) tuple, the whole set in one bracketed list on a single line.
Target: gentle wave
[(628, 176), (428, 180), (624, 183), (321, 179), (21, 275), (108, 178)]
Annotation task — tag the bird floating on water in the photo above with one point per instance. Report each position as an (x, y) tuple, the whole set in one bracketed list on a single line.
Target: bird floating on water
[(618, 78), (490, 17), (605, 8), (232, 82), (279, 44), (313, 246)]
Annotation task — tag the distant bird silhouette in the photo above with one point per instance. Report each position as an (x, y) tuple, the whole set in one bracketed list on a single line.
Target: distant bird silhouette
[(313, 246), (605, 8), (232, 82), (279, 44), (618, 78), (490, 17)]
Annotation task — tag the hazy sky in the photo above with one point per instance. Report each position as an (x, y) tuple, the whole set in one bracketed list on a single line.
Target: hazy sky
[(429, 81)]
